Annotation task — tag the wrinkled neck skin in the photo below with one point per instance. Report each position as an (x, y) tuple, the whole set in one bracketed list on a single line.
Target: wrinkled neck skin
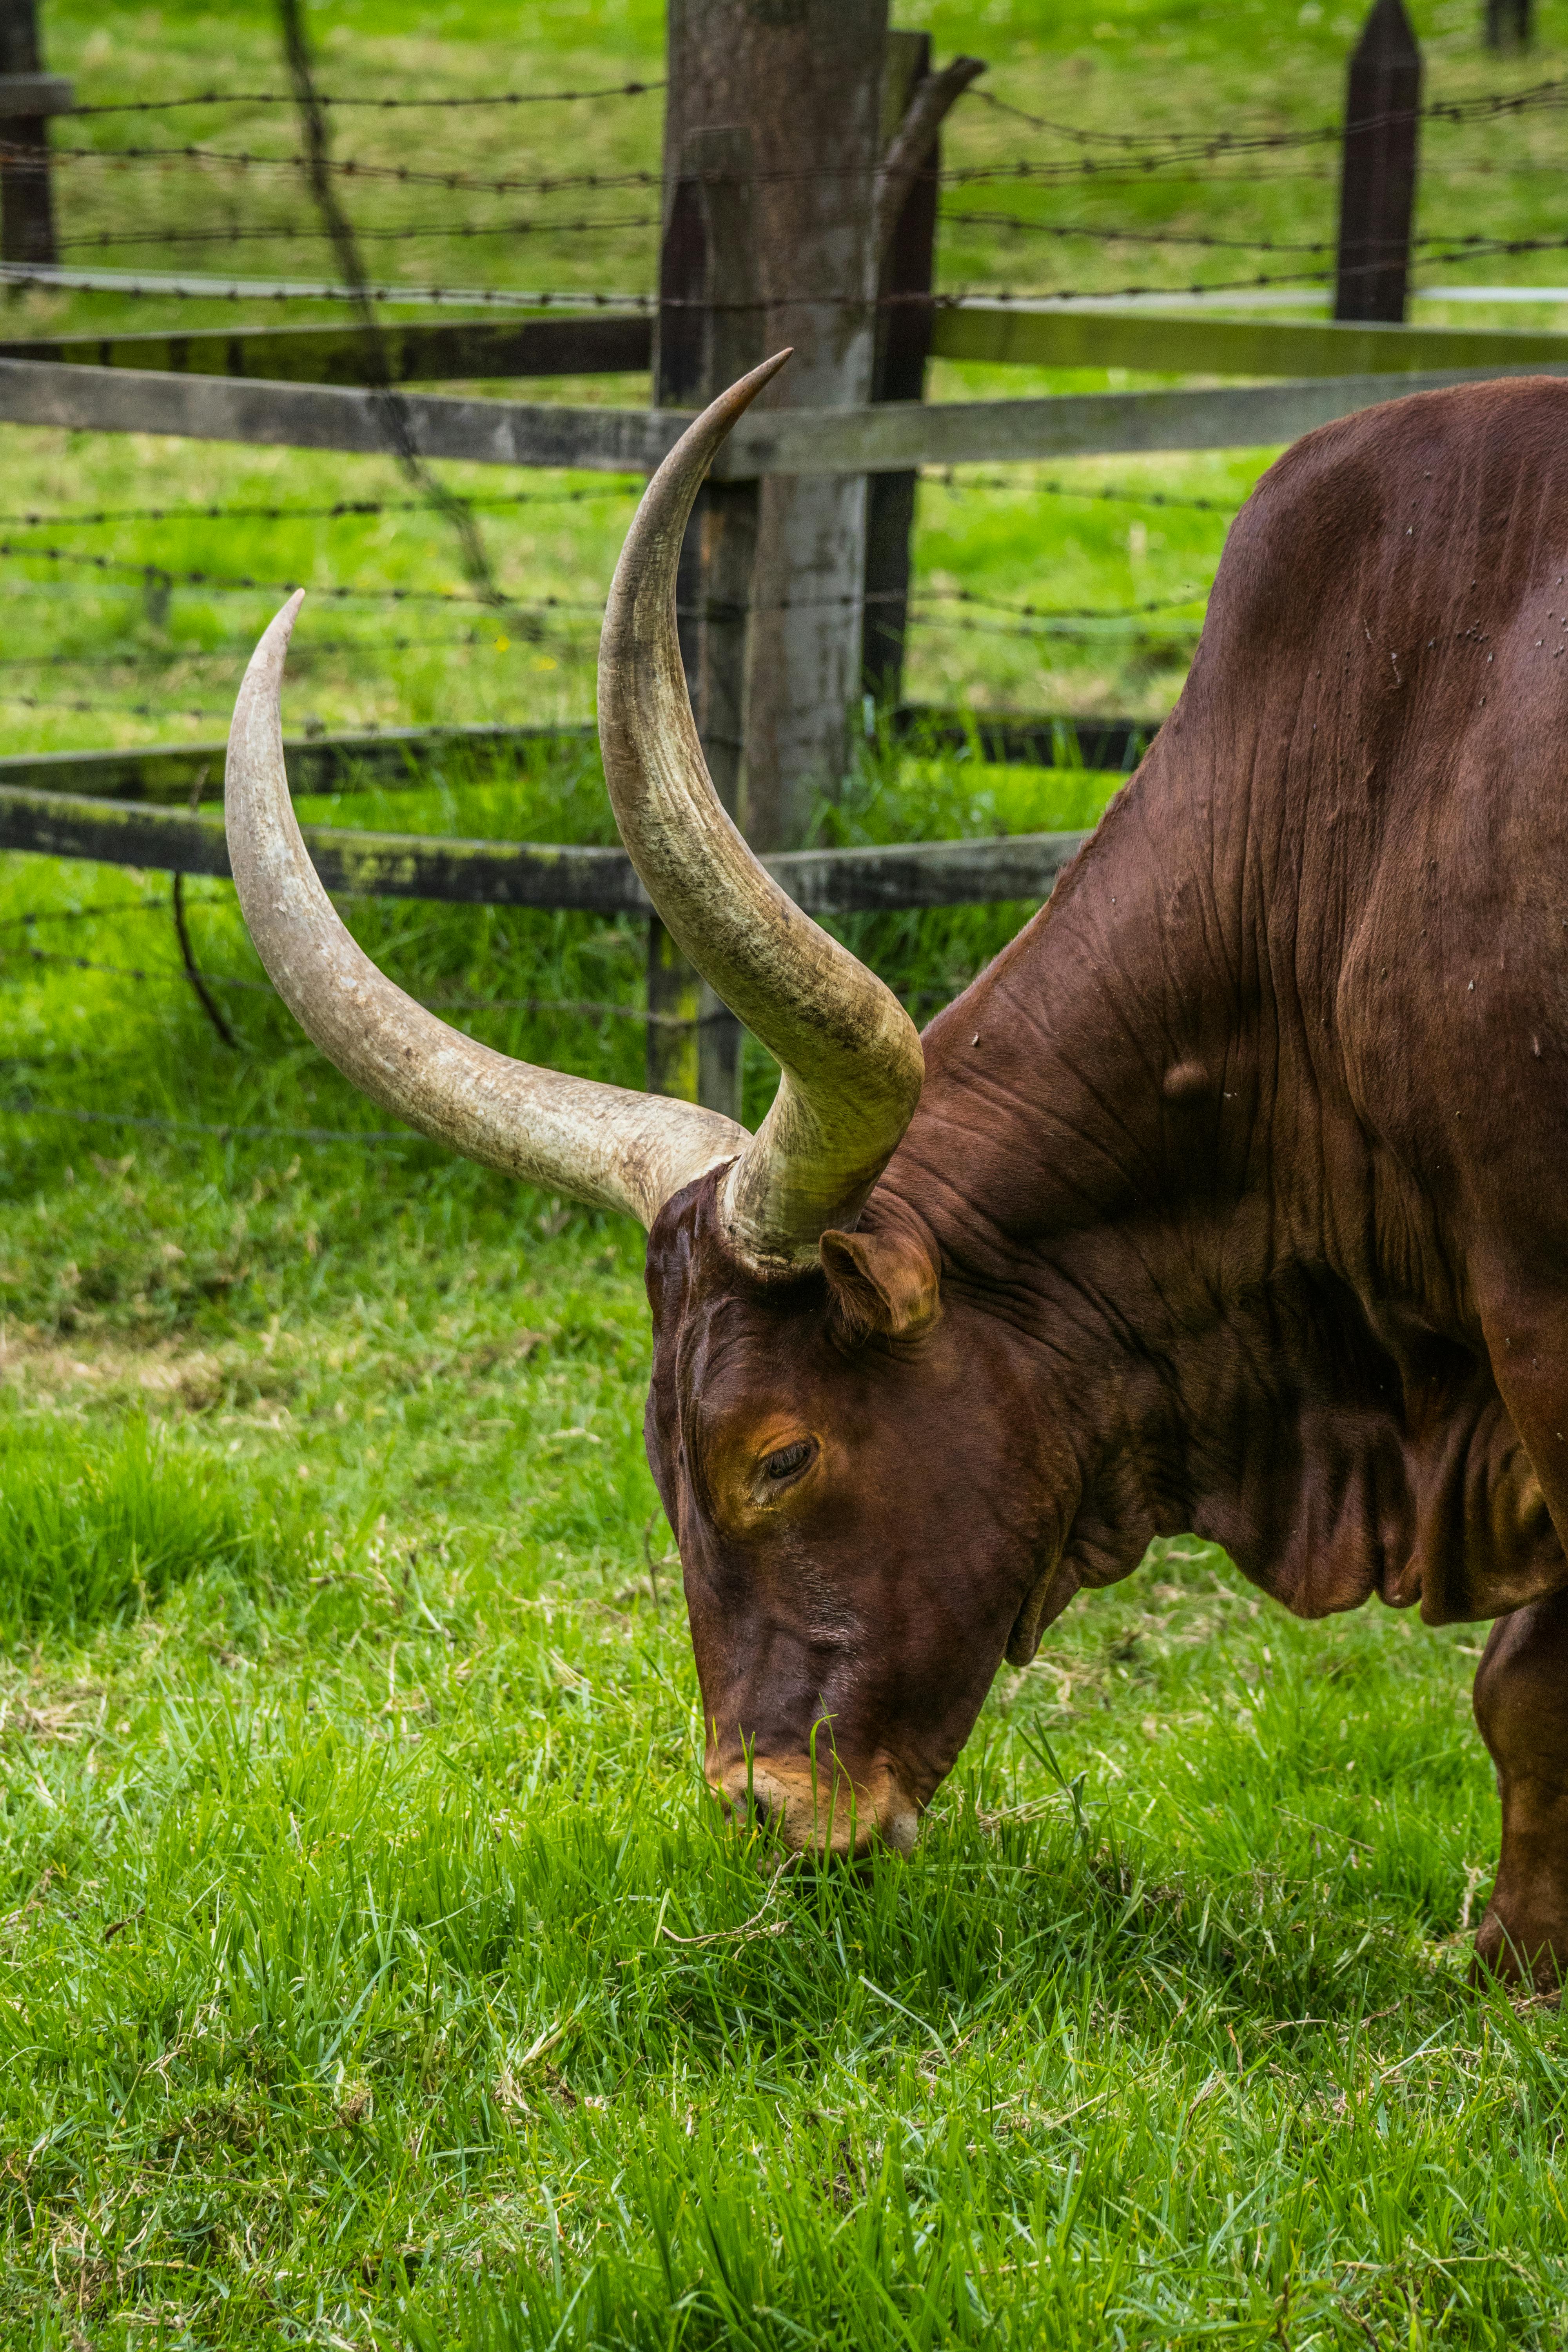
[(1157, 1144), (1094, 1159)]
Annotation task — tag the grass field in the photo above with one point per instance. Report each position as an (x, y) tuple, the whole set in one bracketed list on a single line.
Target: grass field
[(373, 1971)]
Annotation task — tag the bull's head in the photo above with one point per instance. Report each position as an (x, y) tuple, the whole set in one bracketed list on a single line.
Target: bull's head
[(859, 1542)]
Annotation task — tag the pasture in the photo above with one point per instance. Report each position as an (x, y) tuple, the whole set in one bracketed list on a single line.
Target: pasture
[(373, 1968)]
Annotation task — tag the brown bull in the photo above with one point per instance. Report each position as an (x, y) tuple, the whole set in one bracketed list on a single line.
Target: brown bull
[(1231, 1199)]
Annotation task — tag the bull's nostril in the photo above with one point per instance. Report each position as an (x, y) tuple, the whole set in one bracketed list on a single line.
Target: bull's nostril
[(749, 1807), (811, 1812)]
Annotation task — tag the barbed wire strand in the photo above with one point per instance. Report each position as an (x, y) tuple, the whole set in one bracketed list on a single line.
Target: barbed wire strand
[(1455, 246), (89, 914), (1541, 96), (947, 478), (148, 288), (340, 511), (157, 575), (115, 710), (230, 584), (1149, 153), (190, 285), (391, 405), (241, 651), (110, 241), (353, 510), (384, 105)]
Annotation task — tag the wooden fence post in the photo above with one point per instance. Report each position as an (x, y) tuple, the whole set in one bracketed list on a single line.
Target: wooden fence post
[(709, 331), (1377, 186), (914, 100), (1509, 24), (897, 372), (28, 96), (805, 77)]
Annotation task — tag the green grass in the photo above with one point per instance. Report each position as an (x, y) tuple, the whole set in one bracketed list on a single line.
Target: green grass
[(88, 1534), (373, 1971)]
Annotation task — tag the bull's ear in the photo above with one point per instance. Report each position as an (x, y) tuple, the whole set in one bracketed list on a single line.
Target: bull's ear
[(882, 1286)]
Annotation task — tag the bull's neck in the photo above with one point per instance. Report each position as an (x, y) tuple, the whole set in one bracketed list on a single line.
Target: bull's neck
[(1122, 1134)]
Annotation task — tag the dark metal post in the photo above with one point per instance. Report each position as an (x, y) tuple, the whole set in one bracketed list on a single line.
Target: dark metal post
[(903, 347), (28, 96), (1509, 24), (1377, 187), (709, 331)]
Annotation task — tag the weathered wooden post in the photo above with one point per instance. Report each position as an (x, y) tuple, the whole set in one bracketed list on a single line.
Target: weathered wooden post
[(804, 78), (28, 96), (1377, 186), (1509, 24), (914, 103), (709, 331), (797, 176)]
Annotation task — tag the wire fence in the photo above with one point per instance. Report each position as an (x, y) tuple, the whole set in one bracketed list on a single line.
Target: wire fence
[(947, 478), (21, 955), (1553, 93), (339, 510), (290, 147), (163, 285), (159, 286), (600, 215), (463, 101)]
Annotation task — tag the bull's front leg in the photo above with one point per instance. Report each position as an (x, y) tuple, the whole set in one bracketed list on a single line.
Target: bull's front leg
[(1522, 1706)]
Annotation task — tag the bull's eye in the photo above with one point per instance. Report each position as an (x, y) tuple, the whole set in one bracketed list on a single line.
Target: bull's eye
[(788, 1461)]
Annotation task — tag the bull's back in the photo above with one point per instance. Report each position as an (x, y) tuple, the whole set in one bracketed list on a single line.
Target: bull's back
[(1383, 691)]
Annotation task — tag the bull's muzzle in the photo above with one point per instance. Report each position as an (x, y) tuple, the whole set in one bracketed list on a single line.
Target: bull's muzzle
[(819, 1809)]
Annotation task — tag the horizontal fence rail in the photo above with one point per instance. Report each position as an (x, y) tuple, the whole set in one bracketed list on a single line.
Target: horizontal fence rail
[(527, 874), (1005, 333), (892, 437), (321, 763), (616, 344), (398, 756), (1057, 335)]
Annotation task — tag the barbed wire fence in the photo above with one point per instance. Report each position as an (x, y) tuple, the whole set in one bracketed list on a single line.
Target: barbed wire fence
[(1105, 161)]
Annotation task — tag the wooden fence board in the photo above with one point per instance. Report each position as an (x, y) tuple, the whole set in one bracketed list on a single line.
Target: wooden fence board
[(1006, 333), (164, 774), (27, 96), (1185, 344), (889, 438), (368, 865), (329, 417), (991, 432), (530, 874), (424, 352)]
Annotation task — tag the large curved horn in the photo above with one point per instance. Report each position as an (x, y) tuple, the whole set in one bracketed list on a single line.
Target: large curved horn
[(852, 1055), (597, 1143)]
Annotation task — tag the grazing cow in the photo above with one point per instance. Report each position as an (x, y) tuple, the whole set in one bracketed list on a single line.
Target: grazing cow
[(1230, 1199)]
